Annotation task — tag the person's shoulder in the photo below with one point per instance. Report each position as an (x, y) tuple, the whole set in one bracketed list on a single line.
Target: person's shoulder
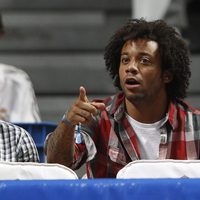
[(187, 107), (11, 128), (13, 71)]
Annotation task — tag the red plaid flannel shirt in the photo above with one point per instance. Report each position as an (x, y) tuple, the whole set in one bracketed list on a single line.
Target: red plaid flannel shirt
[(113, 143)]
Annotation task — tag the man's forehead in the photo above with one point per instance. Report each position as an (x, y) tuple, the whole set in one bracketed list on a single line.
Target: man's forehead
[(141, 44)]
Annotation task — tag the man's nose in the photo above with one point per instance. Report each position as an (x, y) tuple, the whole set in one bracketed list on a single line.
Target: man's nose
[(132, 67)]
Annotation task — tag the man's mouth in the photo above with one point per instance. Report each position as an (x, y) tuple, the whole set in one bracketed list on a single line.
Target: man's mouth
[(131, 81)]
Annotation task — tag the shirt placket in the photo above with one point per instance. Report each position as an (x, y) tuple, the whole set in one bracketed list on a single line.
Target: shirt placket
[(163, 143)]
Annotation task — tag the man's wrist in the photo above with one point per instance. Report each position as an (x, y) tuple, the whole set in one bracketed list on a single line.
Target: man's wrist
[(66, 121)]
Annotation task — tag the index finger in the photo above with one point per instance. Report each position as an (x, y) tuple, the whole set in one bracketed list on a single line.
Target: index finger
[(82, 94)]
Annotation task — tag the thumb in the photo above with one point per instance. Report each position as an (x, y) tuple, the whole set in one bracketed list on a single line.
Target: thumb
[(82, 94)]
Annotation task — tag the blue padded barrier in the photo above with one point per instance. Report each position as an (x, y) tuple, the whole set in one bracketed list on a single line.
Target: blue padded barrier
[(39, 131), (102, 189)]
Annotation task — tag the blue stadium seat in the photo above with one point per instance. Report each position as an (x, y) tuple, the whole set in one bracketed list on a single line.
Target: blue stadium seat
[(39, 131)]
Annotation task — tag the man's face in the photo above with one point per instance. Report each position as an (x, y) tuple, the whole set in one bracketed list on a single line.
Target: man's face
[(140, 71)]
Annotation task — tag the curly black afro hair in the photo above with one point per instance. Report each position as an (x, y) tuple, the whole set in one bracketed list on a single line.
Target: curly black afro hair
[(173, 52)]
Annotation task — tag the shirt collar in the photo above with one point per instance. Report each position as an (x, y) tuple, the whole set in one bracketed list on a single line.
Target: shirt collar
[(116, 108), (172, 115)]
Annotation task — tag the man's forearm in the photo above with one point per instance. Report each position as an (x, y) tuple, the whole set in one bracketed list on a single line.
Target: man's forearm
[(60, 145)]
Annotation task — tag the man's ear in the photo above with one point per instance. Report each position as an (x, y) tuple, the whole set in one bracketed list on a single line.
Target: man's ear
[(167, 76)]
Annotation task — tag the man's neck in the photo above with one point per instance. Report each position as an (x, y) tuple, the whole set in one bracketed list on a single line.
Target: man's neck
[(147, 112)]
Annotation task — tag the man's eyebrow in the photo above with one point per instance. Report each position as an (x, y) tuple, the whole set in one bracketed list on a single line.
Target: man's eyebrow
[(139, 54), (124, 53), (144, 54)]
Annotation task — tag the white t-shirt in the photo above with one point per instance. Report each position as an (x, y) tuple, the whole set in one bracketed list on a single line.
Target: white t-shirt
[(17, 96), (148, 136)]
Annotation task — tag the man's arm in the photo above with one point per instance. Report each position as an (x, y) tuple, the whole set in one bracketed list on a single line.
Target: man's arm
[(60, 145)]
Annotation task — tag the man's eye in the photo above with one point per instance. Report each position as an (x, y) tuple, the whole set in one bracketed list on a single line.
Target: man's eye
[(145, 61), (124, 60)]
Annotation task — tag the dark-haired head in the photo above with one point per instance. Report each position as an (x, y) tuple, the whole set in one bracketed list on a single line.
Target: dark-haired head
[(174, 52)]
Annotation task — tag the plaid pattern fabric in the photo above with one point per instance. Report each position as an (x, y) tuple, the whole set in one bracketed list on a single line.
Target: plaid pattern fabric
[(116, 143), (16, 145)]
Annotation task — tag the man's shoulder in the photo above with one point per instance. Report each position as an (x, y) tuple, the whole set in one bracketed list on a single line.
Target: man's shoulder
[(187, 107), (12, 73), (11, 128)]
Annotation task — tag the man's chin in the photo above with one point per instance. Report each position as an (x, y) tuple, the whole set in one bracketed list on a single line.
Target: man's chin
[(134, 98)]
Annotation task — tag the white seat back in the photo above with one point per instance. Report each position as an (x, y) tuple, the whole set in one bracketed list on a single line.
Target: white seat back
[(161, 169), (34, 171)]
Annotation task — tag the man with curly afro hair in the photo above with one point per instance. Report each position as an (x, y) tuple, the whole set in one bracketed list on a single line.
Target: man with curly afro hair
[(146, 119)]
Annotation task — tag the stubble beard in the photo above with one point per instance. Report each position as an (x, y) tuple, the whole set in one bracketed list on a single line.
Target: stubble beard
[(135, 98)]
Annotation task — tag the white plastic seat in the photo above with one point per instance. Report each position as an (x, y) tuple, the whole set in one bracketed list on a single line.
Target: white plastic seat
[(34, 171), (161, 169)]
